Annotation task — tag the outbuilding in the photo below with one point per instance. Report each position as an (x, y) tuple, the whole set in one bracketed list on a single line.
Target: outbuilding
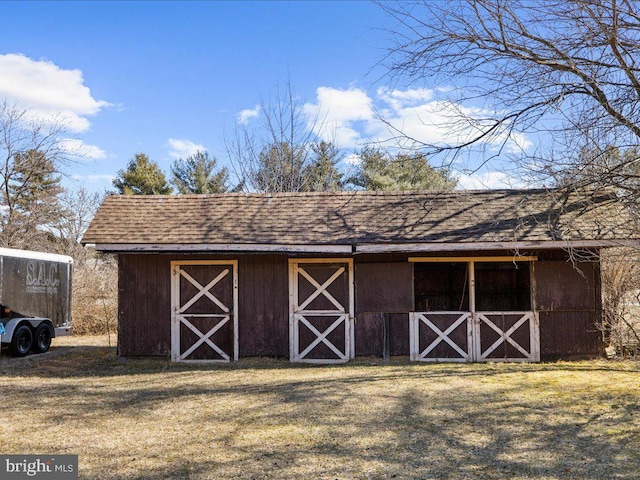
[(498, 275)]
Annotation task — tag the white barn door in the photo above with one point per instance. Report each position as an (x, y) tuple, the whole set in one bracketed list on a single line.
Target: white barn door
[(204, 311), (321, 307)]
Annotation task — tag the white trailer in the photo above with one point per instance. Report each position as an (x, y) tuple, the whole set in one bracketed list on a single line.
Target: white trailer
[(35, 299)]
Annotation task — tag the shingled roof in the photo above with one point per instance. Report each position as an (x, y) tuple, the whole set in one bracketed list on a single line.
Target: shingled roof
[(354, 220)]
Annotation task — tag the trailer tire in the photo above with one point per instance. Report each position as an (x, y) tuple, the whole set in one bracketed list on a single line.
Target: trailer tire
[(42, 339), (22, 341)]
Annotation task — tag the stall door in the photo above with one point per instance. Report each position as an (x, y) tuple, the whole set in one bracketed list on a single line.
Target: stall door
[(441, 336), (474, 337), (321, 310), (204, 322), (507, 336)]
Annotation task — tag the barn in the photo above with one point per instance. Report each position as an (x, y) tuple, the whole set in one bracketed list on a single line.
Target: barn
[(464, 276)]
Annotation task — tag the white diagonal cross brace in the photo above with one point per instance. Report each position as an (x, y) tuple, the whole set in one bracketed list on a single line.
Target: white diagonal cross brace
[(204, 338), (505, 335), (444, 335), (322, 337), (321, 289), (204, 291)]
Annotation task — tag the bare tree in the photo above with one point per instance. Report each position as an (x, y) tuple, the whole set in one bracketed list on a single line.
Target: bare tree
[(562, 71), (274, 151), (95, 296), (77, 209), (31, 151)]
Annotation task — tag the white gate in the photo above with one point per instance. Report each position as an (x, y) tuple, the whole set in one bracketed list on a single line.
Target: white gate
[(321, 310), (474, 337), (204, 306), (441, 336), (507, 336)]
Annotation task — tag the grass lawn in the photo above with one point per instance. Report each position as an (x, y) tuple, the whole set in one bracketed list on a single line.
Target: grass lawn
[(266, 418)]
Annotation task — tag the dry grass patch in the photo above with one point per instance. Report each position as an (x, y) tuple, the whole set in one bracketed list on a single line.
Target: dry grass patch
[(265, 418)]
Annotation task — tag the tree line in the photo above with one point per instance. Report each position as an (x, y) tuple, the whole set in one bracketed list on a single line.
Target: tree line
[(282, 168)]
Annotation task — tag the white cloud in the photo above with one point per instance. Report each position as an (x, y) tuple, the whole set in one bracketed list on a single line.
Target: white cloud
[(77, 148), (245, 115), (340, 115), (181, 148), (352, 118), (93, 179), (48, 91), (401, 98), (489, 180)]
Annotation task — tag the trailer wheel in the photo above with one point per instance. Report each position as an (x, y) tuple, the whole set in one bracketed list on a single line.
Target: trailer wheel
[(42, 340), (21, 341)]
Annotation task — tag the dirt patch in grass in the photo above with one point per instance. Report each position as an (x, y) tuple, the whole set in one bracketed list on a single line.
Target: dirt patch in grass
[(266, 418)]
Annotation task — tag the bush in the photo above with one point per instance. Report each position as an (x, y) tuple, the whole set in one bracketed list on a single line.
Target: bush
[(95, 296), (621, 301)]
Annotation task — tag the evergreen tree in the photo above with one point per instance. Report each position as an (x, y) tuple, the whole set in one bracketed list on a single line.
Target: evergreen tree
[(379, 171), (142, 177), (31, 199), (322, 174), (197, 174)]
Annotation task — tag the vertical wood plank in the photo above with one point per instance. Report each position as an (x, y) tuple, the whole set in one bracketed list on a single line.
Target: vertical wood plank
[(472, 286), (352, 309), (235, 311), (534, 333), (386, 336), (292, 295), (281, 312), (175, 305)]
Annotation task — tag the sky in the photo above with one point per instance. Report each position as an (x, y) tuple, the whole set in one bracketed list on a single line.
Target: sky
[(170, 78)]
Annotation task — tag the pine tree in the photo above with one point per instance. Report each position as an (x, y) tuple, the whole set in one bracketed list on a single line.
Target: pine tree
[(380, 171), (142, 177), (32, 199), (197, 174), (322, 174)]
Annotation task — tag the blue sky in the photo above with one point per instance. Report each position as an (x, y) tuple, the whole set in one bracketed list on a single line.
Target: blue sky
[(166, 78)]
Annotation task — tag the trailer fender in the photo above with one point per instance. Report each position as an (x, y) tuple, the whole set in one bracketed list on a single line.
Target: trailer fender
[(14, 323)]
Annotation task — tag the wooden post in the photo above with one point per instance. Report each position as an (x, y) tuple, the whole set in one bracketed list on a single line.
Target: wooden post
[(472, 287), (386, 336)]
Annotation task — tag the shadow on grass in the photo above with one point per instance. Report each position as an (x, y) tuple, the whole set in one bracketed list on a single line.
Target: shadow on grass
[(412, 435), (89, 361), (366, 419)]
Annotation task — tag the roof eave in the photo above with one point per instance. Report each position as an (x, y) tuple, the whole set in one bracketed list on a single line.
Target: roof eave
[(362, 247), (221, 248), (479, 246)]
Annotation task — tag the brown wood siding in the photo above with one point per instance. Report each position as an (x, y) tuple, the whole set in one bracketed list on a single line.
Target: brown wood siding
[(383, 287), (144, 326), (263, 298), (569, 306), (369, 334)]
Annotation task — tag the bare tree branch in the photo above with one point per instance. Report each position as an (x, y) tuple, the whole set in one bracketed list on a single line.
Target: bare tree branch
[(569, 66)]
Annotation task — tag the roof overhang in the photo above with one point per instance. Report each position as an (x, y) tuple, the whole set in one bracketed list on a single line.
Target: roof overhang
[(223, 248), (361, 248), (478, 246)]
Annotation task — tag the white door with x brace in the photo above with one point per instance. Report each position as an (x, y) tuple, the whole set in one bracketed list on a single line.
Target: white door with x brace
[(321, 310), (204, 305)]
